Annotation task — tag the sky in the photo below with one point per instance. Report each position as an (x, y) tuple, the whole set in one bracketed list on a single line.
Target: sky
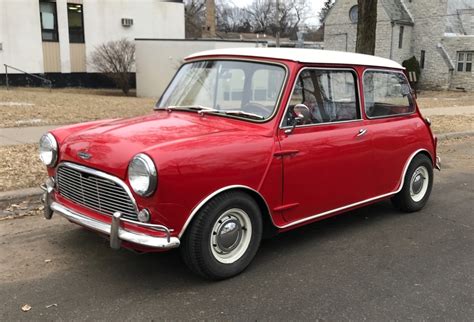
[(315, 4)]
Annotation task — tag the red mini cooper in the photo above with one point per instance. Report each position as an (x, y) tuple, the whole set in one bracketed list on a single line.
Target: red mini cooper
[(244, 143)]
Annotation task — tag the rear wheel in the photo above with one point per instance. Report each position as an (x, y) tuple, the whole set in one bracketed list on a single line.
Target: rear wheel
[(417, 185), (224, 236)]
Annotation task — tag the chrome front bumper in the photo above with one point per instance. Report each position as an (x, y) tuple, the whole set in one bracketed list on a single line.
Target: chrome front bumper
[(116, 231)]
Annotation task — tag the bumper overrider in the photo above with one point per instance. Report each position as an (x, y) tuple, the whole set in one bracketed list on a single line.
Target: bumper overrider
[(115, 230)]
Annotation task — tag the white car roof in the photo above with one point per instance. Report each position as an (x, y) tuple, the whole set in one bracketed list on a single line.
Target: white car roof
[(303, 55)]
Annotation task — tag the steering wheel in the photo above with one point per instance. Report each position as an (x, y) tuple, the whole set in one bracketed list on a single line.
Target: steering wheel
[(256, 108)]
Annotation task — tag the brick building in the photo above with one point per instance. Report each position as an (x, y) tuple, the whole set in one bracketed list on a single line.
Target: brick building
[(439, 33)]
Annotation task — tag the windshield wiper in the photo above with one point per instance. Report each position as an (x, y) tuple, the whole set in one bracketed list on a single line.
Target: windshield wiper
[(198, 108), (244, 114)]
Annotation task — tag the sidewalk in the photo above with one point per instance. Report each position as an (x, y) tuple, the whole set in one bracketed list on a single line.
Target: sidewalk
[(23, 135), (457, 110)]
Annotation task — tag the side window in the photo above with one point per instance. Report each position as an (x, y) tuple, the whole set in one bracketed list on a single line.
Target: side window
[(324, 96), (387, 94)]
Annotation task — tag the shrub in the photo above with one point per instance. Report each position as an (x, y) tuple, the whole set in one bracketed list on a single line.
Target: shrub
[(115, 59)]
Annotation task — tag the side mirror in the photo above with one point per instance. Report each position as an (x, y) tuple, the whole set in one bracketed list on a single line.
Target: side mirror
[(297, 120)]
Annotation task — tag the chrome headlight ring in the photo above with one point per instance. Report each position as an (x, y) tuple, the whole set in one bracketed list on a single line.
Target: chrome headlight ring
[(142, 175), (48, 150)]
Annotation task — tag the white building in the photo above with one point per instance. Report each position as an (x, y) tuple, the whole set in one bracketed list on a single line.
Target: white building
[(56, 38)]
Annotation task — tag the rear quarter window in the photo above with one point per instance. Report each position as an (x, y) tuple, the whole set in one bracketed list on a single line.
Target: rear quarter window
[(387, 94)]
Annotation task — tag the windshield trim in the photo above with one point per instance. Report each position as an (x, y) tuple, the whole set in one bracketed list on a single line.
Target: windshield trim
[(258, 61)]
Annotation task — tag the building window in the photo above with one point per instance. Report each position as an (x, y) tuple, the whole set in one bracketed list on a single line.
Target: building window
[(76, 23), (465, 61), (49, 21), (354, 14), (422, 59), (400, 37)]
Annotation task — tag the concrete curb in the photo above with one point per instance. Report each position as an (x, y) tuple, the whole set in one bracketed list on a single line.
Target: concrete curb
[(452, 135), (22, 194)]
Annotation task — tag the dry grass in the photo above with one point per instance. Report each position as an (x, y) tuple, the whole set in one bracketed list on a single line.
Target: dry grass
[(37, 106), (452, 123), (20, 167), (428, 99)]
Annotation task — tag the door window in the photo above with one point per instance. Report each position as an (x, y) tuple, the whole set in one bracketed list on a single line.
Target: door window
[(324, 96), (387, 94)]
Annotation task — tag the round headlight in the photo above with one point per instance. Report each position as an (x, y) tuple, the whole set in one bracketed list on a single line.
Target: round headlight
[(48, 148), (142, 175)]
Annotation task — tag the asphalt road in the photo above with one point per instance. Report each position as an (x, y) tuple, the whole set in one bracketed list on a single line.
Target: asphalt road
[(374, 263)]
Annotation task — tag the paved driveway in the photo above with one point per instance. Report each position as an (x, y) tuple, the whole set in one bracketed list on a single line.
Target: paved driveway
[(374, 263)]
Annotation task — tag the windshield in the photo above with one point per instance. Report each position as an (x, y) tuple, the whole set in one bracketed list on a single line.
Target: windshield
[(237, 88)]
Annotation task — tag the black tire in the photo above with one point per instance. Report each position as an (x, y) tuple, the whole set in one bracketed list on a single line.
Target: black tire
[(196, 243), (404, 200)]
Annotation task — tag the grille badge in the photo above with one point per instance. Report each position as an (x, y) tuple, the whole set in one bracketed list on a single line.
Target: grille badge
[(84, 155)]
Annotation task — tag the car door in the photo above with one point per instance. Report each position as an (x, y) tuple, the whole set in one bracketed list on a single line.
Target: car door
[(327, 157), (393, 124)]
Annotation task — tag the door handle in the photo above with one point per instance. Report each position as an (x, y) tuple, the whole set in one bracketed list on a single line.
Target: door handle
[(362, 132)]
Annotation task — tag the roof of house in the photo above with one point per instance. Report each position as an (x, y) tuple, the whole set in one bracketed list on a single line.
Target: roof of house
[(397, 11), (316, 56), (456, 10)]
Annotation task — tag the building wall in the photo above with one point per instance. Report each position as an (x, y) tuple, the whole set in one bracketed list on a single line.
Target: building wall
[(427, 33), (151, 19), (20, 31), (341, 34), (453, 45), (159, 59), (20, 35)]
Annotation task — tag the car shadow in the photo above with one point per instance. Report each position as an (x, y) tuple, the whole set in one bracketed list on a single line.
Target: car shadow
[(166, 270)]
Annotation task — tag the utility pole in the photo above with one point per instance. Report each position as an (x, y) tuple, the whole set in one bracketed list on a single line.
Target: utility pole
[(210, 24), (277, 38)]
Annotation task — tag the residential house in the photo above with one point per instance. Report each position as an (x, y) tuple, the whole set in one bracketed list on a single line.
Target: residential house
[(439, 33)]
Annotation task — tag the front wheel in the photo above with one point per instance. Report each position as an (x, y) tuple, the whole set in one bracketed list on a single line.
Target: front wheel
[(417, 185), (224, 236)]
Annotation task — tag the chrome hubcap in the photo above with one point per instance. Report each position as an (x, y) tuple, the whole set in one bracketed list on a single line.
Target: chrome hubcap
[(231, 235), (419, 183)]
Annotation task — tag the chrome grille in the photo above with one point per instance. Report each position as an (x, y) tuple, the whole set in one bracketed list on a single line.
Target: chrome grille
[(94, 192)]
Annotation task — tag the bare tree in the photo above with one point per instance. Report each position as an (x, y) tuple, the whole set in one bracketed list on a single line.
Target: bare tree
[(366, 26), (195, 14), (328, 4), (260, 16), (264, 16), (231, 18), (115, 59)]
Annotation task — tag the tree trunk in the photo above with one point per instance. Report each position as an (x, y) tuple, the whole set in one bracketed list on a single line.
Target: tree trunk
[(366, 26)]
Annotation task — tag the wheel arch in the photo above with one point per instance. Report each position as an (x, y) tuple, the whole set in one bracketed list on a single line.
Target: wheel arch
[(407, 164), (269, 228), (425, 152)]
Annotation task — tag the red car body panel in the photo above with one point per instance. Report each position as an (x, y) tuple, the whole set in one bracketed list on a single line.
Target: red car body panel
[(308, 175)]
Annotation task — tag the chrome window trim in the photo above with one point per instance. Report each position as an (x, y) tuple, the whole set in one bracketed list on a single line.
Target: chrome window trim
[(263, 61), (302, 220), (358, 101), (102, 175), (386, 71)]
